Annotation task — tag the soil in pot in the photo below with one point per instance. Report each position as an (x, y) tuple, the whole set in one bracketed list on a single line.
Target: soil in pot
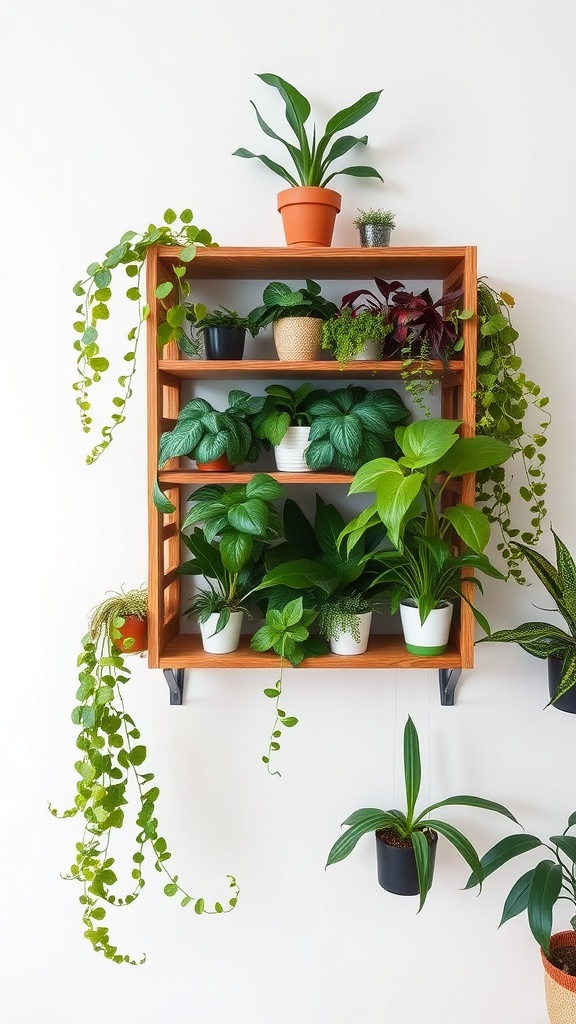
[(396, 862), (564, 958), (567, 702), (224, 342)]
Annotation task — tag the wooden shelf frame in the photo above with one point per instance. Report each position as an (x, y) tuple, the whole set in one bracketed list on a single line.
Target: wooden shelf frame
[(452, 267)]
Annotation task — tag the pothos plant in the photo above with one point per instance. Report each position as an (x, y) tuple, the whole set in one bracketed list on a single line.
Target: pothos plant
[(112, 775), (95, 293), (509, 407)]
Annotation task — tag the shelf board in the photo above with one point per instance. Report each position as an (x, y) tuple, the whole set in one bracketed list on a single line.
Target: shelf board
[(270, 369), (384, 651), (406, 263), (194, 476)]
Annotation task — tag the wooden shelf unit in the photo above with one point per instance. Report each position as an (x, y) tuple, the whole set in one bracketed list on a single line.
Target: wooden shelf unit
[(452, 267)]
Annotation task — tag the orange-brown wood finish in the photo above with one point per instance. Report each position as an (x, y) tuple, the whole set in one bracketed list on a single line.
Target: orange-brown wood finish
[(451, 266)]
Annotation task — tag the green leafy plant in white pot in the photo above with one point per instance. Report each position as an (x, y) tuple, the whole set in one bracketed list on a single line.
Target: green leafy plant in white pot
[(284, 422), (308, 207), (423, 568)]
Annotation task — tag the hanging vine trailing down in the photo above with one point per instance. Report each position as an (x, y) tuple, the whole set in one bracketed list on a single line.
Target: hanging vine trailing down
[(507, 403)]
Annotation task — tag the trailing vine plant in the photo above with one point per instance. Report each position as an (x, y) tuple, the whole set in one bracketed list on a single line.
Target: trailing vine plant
[(507, 403), (95, 292), (112, 772)]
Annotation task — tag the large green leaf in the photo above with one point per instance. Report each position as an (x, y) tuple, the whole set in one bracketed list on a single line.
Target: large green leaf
[(328, 524), (471, 454), (300, 575), (180, 441), (250, 516), (517, 899), (297, 106), (207, 556), (544, 891), (533, 633), (567, 574), (236, 550), (211, 447), (470, 524), (270, 164), (423, 858), (319, 455), (505, 850), (460, 843), (274, 427), (567, 677), (412, 767), (264, 487), (545, 571), (161, 502), (350, 115), (394, 497), (298, 531), (471, 801), (368, 476), (567, 844), (346, 434), (291, 614), (368, 819), (426, 441)]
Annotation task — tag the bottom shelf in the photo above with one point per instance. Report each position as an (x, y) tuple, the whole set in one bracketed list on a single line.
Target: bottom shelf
[(384, 651)]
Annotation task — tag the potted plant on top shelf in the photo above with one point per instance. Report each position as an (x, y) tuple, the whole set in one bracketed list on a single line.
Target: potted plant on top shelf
[(537, 892), (375, 227), (296, 316), (422, 567), (308, 207), (95, 293), (544, 639), (406, 840), (113, 777)]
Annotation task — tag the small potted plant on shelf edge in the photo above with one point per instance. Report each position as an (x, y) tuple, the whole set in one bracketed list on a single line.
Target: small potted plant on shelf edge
[(375, 227)]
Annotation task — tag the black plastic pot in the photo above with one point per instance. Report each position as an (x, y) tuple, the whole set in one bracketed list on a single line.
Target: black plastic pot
[(567, 702), (224, 342), (397, 865)]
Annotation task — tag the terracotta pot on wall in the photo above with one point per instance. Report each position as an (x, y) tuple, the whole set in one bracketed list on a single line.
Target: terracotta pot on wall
[(309, 214), (135, 629), (221, 465), (559, 987)]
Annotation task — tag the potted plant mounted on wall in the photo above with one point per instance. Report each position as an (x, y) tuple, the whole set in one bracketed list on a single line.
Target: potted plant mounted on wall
[(296, 316), (406, 840), (544, 639), (375, 227), (308, 207)]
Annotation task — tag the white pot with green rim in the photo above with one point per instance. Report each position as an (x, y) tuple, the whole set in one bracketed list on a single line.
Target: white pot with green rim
[(227, 639), (371, 351), (346, 643), (429, 638), (289, 454)]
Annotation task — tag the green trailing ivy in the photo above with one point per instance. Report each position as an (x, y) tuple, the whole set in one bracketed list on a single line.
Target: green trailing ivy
[(511, 408), (112, 772), (95, 292)]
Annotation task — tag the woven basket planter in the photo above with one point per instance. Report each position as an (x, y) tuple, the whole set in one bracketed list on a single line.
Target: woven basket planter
[(298, 339), (560, 988)]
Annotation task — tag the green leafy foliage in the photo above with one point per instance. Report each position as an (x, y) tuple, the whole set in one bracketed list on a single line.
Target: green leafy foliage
[(410, 825), (539, 889), (348, 332), (283, 408), (510, 408), (380, 218), (113, 783), (352, 425), (311, 156), (280, 300), (95, 293), (543, 639), (227, 591)]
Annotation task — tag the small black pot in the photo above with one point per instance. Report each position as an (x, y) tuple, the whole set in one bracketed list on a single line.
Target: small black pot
[(397, 865), (567, 702), (224, 342)]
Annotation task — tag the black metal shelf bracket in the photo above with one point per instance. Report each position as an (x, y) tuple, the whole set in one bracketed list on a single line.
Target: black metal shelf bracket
[(448, 678), (175, 679)]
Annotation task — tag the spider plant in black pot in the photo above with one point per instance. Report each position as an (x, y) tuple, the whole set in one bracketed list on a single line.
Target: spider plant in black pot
[(544, 639), (223, 331), (406, 840)]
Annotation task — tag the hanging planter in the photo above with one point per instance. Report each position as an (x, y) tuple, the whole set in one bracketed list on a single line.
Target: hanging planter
[(567, 702), (133, 634), (429, 638), (396, 863), (225, 640), (289, 454), (298, 338), (308, 214), (560, 987)]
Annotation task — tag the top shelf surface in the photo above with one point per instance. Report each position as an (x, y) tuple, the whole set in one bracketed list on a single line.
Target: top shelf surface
[(410, 263)]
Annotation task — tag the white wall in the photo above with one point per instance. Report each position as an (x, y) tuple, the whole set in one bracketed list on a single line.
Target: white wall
[(111, 112)]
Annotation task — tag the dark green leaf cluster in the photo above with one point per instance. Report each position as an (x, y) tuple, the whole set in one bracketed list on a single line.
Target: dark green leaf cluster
[(280, 300), (539, 889), (95, 292), (543, 639), (112, 777), (408, 824), (204, 434), (311, 156), (507, 403), (348, 332), (219, 317), (228, 591), (283, 408), (351, 426)]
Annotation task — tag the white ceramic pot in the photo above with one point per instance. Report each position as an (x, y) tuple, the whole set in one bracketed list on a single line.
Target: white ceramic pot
[(431, 637), (346, 644), (298, 338), (370, 351), (227, 640), (289, 454)]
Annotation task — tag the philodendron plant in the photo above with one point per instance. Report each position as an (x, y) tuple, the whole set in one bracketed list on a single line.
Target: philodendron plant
[(311, 156), (411, 826), (352, 425), (95, 293)]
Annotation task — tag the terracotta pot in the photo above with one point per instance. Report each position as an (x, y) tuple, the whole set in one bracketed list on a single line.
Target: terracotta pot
[(397, 865), (298, 339), (221, 465), (135, 629), (308, 214), (560, 988)]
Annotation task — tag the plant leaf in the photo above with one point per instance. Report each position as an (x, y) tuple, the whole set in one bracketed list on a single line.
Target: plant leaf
[(544, 891)]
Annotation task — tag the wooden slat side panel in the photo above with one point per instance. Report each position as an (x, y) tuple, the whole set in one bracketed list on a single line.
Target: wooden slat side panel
[(467, 413), (155, 541)]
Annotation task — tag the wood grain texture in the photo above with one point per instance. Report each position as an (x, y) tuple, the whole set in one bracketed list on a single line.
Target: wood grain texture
[(270, 369)]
